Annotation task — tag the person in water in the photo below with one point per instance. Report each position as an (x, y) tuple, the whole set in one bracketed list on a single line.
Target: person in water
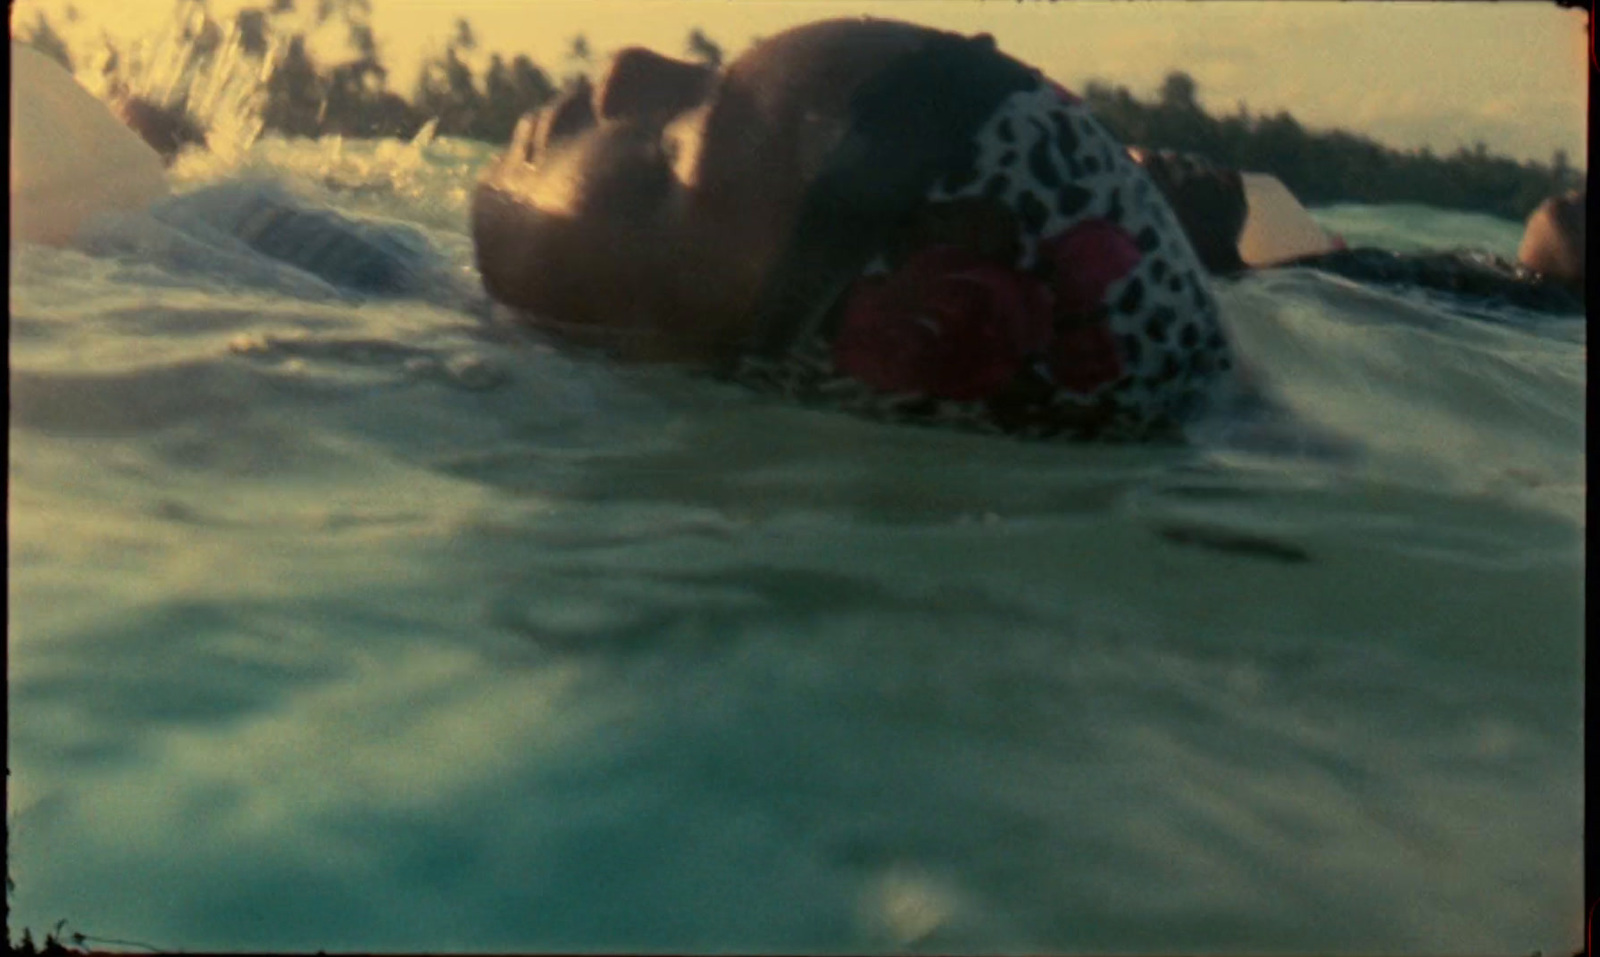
[(867, 215), (1554, 242), (873, 216), (1549, 274), (1210, 203)]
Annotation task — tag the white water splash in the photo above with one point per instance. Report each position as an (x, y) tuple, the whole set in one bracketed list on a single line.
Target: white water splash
[(223, 88)]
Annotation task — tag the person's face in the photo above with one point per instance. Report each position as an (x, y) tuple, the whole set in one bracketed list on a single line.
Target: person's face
[(644, 214)]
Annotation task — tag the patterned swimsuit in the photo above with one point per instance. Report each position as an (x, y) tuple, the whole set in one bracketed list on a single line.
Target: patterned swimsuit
[(982, 253)]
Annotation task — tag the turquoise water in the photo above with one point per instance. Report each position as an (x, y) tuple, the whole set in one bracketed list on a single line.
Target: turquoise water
[(1410, 228), (380, 625)]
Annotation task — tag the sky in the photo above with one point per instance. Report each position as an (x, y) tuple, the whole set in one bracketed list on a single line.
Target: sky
[(1409, 74)]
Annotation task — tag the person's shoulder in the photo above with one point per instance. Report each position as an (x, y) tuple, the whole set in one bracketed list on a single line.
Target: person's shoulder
[(1553, 241)]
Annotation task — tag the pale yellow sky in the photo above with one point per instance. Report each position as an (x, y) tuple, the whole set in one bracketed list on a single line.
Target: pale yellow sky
[(1440, 74)]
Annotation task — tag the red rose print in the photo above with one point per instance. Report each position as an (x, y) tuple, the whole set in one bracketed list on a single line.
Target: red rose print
[(947, 324), (1086, 260)]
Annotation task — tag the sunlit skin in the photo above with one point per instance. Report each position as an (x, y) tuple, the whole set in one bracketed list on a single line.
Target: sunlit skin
[(1554, 241), (644, 214)]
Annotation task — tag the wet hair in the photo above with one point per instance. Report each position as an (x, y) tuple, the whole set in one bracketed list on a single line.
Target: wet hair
[(1209, 201)]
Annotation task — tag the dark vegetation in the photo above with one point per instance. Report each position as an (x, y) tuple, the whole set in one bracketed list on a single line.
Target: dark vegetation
[(352, 97), (25, 944), (1323, 167), (52, 943)]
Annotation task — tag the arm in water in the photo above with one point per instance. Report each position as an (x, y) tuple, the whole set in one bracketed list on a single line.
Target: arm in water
[(259, 233), (1235, 228), (80, 176), (361, 256)]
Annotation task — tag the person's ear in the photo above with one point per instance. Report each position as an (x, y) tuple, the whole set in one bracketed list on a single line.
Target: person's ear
[(643, 83)]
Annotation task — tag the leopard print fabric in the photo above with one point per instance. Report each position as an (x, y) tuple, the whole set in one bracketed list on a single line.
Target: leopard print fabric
[(1043, 156)]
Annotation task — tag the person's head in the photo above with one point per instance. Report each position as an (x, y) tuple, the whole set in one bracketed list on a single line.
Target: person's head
[(1553, 241), (645, 212)]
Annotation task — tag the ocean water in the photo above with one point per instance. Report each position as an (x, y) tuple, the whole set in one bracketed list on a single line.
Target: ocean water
[(1412, 228), (379, 624)]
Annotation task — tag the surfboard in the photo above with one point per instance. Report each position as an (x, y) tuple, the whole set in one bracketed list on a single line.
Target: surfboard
[(70, 158), (1276, 227)]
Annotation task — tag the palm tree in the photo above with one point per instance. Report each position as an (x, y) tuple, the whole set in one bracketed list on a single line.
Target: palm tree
[(44, 38), (703, 48)]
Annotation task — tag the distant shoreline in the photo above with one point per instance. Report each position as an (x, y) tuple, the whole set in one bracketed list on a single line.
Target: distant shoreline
[(304, 98)]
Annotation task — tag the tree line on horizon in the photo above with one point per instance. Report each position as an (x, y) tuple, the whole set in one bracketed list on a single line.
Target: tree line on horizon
[(1331, 166), (352, 98)]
